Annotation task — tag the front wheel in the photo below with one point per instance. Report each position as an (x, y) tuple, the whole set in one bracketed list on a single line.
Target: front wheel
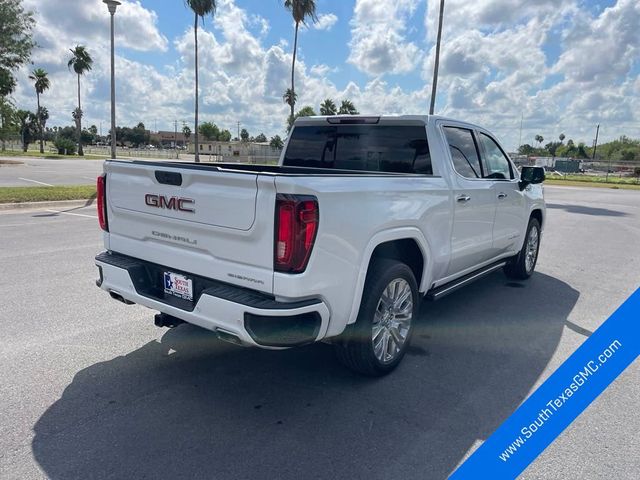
[(375, 344), (522, 265)]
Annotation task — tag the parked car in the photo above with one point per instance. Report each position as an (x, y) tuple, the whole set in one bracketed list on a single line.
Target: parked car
[(362, 218)]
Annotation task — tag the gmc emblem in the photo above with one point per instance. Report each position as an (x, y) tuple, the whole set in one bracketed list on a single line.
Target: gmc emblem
[(169, 203)]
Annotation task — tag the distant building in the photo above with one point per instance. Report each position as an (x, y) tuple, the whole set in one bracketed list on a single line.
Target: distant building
[(168, 139), (240, 152), (560, 164)]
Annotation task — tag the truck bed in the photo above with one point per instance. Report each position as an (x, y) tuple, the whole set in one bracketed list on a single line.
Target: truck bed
[(267, 169)]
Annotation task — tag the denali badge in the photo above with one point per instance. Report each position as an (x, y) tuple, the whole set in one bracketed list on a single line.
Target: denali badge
[(169, 203)]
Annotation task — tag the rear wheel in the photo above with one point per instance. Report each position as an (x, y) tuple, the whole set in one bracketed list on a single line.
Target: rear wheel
[(375, 344), (522, 265)]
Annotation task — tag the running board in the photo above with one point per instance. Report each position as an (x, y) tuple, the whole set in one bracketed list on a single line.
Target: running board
[(447, 288)]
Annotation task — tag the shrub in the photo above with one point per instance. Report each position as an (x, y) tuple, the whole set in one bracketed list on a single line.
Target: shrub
[(65, 146)]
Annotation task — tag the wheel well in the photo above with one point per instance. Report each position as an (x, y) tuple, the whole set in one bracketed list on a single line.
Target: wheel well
[(406, 251), (537, 214)]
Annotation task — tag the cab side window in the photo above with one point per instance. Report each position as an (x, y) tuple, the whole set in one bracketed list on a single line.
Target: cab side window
[(496, 165), (464, 152)]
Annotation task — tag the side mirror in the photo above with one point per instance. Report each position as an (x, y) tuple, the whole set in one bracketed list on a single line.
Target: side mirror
[(531, 176)]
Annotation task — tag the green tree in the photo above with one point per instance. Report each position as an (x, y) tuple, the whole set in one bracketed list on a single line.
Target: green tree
[(41, 83), (328, 107), (276, 142), (244, 135), (16, 42), (7, 120), (225, 136), (627, 155), (260, 138), (200, 9), (93, 130), (81, 62), (525, 149), (562, 137), (307, 111), (7, 83), (210, 131), (186, 131), (347, 108), (27, 127), (300, 11), (552, 147), (138, 135), (581, 151)]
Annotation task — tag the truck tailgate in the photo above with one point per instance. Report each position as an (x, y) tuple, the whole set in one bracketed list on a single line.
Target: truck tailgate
[(199, 220)]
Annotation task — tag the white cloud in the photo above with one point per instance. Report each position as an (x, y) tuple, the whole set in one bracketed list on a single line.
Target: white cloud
[(495, 66), (378, 44), (326, 21)]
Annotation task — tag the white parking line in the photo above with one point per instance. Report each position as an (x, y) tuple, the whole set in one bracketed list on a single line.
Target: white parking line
[(35, 181), (73, 214)]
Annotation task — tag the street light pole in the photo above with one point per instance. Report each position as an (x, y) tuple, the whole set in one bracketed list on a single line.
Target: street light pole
[(437, 62), (112, 5)]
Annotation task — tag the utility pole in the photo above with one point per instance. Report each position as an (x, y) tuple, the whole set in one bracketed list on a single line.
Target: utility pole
[(520, 139), (595, 144), (434, 86), (112, 5), (175, 137), (238, 131)]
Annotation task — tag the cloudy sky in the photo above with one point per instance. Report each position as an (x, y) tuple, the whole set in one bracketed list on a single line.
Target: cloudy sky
[(562, 66)]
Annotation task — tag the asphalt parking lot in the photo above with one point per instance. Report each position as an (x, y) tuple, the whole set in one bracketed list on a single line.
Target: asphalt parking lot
[(30, 172), (45, 172), (91, 389)]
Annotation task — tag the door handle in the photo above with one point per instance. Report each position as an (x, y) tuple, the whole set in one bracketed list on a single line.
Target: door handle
[(502, 195), (463, 198)]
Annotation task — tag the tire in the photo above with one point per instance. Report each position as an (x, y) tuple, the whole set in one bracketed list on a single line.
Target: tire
[(392, 323), (521, 266)]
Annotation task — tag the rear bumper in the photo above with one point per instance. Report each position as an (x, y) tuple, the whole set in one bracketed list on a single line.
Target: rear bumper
[(255, 319)]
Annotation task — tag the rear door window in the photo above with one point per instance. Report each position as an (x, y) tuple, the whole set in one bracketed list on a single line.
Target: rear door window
[(375, 148), (464, 152), (496, 164)]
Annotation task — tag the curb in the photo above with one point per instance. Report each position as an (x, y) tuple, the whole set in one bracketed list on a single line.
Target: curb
[(52, 204)]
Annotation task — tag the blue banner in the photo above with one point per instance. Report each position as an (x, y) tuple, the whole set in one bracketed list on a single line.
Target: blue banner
[(560, 399)]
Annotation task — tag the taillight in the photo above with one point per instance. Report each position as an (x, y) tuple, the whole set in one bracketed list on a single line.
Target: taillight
[(295, 232), (101, 201)]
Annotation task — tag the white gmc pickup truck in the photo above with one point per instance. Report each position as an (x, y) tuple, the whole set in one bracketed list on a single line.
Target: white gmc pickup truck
[(362, 217)]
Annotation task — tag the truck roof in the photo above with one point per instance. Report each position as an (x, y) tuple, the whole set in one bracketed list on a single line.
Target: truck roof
[(374, 119)]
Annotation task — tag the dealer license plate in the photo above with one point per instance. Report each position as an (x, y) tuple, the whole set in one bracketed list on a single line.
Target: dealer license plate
[(178, 286)]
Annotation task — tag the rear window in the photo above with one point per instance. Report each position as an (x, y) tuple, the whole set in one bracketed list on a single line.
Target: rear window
[(373, 148)]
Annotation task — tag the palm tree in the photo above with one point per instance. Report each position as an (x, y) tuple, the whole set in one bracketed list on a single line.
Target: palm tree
[(290, 97), (81, 62), (347, 108), (300, 10), (42, 115), (41, 83), (200, 8), (562, 137), (539, 139), (328, 107)]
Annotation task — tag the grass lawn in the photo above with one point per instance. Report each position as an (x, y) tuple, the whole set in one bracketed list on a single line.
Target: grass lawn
[(49, 155), (44, 194), (593, 183)]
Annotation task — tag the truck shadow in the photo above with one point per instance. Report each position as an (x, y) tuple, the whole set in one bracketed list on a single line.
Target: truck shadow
[(193, 407)]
